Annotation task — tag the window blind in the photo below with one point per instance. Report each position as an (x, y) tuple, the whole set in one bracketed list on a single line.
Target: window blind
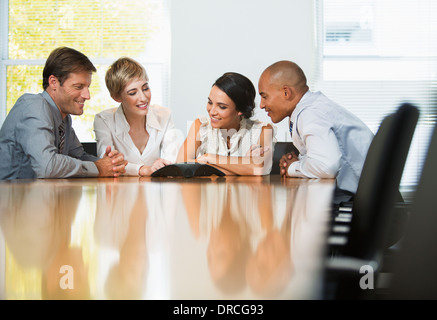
[(375, 54)]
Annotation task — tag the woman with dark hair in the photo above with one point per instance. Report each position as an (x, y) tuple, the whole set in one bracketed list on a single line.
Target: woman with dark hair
[(228, 139)]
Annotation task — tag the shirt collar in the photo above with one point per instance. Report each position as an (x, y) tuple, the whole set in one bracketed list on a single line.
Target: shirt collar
[(304, 101), (55, 110), (152, 119), (121, 124)]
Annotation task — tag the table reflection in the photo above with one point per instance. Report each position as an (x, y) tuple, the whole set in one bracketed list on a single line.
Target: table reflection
[(248, 238), (36, 225), (121, 218), (157, 238)]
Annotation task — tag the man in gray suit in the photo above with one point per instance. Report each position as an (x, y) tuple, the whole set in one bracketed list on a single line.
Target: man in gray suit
[(37, 139)]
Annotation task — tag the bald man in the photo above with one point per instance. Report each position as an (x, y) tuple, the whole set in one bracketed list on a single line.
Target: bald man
[(332, 142)]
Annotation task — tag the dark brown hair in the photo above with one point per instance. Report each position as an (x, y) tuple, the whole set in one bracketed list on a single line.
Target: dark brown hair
[(241, 91), (62, 61)]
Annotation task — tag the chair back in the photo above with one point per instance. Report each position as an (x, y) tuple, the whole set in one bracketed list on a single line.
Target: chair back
[(90, 148), (415, 271), (378, 188), (281, 148)]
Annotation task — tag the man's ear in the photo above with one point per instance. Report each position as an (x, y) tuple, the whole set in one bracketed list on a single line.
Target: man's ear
[(288, 92), (53, 82)]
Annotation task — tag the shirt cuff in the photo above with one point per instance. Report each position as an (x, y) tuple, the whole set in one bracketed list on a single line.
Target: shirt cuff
[(293, 169), (132, 169), (90, 168)]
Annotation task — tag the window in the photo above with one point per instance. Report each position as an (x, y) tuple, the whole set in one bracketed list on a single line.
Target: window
[(374, 55), (104, 30)]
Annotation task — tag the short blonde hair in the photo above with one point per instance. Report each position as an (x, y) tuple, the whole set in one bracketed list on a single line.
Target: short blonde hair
[(121, 72)]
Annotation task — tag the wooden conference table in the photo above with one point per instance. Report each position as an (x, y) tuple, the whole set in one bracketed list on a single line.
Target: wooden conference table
[(163, 238)]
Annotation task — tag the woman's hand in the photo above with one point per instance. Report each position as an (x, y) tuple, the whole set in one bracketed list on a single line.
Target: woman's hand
[(158, 164), (257, 150), (206, 158)]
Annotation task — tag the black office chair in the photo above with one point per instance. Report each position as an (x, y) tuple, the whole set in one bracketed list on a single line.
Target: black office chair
[(90, 148), (415, 271), (281, 148), (373, 208)]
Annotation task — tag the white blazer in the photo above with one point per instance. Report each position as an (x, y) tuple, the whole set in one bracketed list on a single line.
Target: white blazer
[(112, 129)]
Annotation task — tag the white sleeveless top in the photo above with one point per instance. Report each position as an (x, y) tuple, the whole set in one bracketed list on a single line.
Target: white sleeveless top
[(213, 140)]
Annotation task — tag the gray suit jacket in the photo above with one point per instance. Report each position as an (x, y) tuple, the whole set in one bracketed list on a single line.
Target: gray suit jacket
[(29, 138)]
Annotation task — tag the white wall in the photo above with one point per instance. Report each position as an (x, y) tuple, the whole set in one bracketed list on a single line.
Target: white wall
[(211, 37)]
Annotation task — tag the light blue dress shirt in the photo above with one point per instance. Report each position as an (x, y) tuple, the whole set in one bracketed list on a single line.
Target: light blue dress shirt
[(29, 141), (332, 142)]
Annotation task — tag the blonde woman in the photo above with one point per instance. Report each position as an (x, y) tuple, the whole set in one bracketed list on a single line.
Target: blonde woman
[(143, 131)]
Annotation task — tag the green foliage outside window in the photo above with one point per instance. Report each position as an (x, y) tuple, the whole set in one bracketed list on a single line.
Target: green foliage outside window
[(101, 29)]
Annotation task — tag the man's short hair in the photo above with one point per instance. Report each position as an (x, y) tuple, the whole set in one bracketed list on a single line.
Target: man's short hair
[(62, 61)]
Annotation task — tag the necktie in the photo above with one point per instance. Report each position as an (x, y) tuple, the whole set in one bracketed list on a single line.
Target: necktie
[(61, 137), (291, 129)]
